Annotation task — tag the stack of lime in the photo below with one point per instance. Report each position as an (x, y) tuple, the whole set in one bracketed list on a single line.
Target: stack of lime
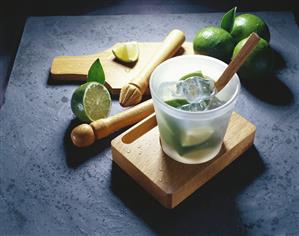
[(225, 43), (214, 42)]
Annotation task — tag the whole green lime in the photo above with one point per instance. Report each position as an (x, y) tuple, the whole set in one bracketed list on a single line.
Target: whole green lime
[(214, 42), (259, 63), (245, 24)]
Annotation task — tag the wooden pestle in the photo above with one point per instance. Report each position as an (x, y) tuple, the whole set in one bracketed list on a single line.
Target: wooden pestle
[(236, 63), (131, 93), (86, 134)]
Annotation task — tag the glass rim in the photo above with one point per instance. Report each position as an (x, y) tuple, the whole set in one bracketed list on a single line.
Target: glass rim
[(192, 113)]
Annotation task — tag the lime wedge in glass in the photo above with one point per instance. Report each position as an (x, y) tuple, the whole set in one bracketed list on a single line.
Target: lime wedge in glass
[(196, 136), (176, 102)]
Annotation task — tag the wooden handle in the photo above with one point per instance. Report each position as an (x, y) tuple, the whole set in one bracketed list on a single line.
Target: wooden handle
[(169, 47), (131, 93), (84, 135), (236, 63)]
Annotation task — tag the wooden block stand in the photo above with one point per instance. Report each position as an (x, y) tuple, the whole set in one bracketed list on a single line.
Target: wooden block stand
[(138, 152)]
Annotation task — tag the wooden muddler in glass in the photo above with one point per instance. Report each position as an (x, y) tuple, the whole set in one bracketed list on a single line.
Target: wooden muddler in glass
[(85, 135), (131, 93)]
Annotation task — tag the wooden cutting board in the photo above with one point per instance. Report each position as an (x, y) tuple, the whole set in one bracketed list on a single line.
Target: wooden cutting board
[(138, 152), (75, 68)]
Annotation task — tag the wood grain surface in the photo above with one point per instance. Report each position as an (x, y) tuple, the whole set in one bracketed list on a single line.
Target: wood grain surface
[(75, 68), (138, 152)]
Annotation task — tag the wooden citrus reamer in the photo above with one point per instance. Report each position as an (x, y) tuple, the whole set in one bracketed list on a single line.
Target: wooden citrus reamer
[(86, 134), (131, 93)]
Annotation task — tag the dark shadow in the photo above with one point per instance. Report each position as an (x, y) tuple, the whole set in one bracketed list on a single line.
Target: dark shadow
[(11, 29), (279, 61), (179, 52), (270, 90), (62, 81), (76, 156), (212, 204), (145, 96), (55, 7), (129, 65)]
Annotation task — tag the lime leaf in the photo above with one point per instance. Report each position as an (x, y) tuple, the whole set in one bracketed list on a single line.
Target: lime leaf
[(96, 73), (227, 21), (176, 102)]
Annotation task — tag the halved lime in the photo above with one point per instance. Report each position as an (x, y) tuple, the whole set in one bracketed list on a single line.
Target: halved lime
[(126, 52), (91, 101)]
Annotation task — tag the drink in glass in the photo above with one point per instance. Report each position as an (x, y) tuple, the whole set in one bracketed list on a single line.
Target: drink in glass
[(192, 117)]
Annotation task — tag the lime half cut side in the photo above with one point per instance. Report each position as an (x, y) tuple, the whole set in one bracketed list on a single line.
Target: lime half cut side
[(126, 52), (91, 101), (196, 136)]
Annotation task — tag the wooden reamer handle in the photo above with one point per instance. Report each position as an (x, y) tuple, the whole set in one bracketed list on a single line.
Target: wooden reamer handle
[(236, 63), (85, 134), (131, 93), (169, 47)]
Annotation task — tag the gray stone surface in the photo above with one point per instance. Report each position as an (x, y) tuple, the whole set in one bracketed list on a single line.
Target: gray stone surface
[(48, 187)]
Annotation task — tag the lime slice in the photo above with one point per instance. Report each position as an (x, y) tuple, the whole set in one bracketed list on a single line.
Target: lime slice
[(91, 101), (126, 52), (196, 136), (195, 73)]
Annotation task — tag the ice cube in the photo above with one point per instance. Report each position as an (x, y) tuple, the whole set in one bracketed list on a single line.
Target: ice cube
[(167, 90), (196, 88), (214, 103), (198, 106), (200, 93), (179, 88)]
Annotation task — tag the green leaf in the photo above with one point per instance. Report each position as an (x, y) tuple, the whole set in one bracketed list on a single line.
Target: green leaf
[(176, 102), (96, 72), (227, 21)]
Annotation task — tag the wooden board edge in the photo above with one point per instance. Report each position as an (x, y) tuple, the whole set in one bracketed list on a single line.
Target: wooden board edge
[(67, 77), (155, 191), (205, 175), (140, 178), (171, 200)]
